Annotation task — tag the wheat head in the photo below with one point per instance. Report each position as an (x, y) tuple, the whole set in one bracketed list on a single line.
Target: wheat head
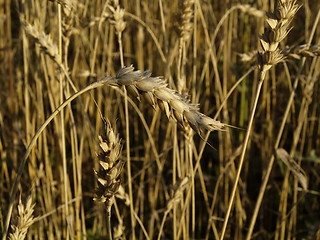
[(155, 90)]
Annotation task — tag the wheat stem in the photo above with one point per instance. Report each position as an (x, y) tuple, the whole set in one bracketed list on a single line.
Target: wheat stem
[(245, 144)]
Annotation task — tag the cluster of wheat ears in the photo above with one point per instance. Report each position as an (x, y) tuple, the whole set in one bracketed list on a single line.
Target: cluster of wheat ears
[(161, 199)]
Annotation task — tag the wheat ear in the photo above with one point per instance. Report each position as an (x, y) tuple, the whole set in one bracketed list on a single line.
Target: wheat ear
[(278, 27), (25, 220), (155, 90), (186, 14), (109, 170)]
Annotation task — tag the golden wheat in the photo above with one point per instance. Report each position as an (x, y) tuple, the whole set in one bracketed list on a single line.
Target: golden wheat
[(25, 220), (156, 92)]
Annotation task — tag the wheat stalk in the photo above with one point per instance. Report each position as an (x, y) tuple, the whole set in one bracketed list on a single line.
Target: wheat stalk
[(155, 91), (25, 220)]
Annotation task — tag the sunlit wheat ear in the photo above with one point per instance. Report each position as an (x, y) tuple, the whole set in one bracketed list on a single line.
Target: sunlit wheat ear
[(25, 220), (110, 166), (278, 27), (156, 91)]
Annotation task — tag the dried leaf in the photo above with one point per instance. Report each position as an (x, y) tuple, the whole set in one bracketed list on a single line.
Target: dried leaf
[(293, 167)]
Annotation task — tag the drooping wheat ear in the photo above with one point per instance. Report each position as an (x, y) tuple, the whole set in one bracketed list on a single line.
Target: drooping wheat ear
[(277, 29), (45, 42), (186, 14), (25, 220), (155, 90), (110, 166)]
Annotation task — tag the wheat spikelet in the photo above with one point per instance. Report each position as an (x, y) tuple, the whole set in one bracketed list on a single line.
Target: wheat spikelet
[(117, 21), (155, 90), (25, 220), (110, 166), (278, 27)]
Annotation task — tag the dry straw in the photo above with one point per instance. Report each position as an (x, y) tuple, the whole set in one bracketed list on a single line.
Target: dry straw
[(25, 220), (155, 90)]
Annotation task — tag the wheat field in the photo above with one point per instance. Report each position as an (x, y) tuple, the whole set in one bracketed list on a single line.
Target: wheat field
[(182, 119)]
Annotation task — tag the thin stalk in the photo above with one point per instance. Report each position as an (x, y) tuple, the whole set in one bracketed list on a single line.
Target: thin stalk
[(127, 142), (63, 139), (245, 144), (129, 163), (162, 224), (109, 233)]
